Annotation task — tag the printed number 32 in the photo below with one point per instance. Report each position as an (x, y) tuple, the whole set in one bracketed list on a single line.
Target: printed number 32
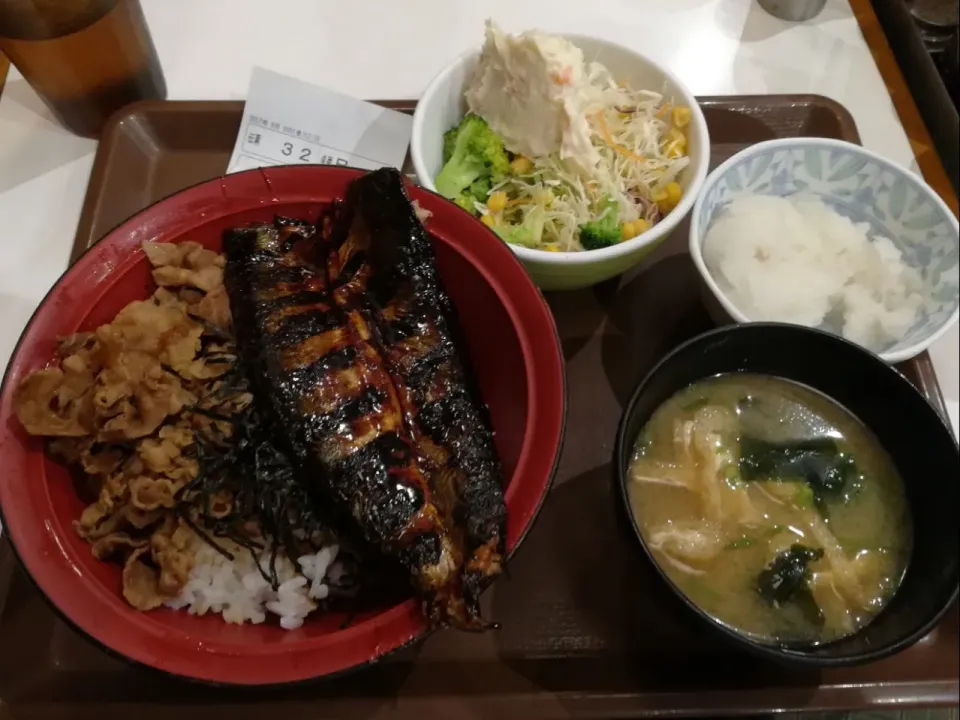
[(304, 152)]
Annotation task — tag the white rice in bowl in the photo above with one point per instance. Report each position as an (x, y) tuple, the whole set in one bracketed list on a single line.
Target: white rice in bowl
[(796, 260), (239, 592)]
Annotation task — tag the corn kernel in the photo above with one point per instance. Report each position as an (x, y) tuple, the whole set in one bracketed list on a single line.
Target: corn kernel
[(640, 226), (659, 196), (552, 247), (521, 165), (488, 220), (674, 193), (627, 231), (674, 152), (676, 137), (545, 198), (681, 116), (497, 201)]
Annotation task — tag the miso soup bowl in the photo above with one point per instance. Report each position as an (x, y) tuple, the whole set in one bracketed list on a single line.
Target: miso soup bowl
[(908, 427)]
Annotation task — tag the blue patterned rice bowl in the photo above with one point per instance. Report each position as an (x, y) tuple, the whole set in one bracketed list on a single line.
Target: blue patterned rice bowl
[(864, 187)]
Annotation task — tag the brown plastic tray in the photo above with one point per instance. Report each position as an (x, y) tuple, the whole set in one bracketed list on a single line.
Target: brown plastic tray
[(588, 630)]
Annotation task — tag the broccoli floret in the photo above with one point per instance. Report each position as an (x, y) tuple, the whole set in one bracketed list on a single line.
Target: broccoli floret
[(449, 142), (466, 201), (515, 235), (528, 234), (490, 146), (596, 235), (476, 192), (480, 189), (605, 230), (476, 152)]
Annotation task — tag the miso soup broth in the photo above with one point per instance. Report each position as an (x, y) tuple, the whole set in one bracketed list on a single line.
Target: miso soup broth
[(771, 507)]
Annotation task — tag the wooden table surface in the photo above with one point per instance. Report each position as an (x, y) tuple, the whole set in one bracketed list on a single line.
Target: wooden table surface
[(909, 114), (4, 66)]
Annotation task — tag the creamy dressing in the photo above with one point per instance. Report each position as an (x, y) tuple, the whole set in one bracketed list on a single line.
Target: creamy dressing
[(534, 91)]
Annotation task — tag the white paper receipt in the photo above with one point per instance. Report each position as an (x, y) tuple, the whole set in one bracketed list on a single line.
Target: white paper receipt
[(287, 122)]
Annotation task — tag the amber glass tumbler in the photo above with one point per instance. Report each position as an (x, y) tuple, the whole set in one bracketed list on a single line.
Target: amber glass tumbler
[(85, 58)]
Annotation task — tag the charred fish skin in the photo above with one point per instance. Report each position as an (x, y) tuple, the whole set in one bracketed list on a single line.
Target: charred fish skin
[(320, 385), (350, 275), (380, 246), (321, 379)]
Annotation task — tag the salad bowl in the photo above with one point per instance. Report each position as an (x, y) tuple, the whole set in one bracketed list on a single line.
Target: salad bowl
[(443, 106)]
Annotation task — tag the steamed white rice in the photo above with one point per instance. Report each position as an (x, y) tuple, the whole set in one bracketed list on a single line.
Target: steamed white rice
[(796, 260), (238, 591)]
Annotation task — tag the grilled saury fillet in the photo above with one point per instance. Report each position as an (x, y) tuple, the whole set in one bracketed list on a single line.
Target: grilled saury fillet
[(352, 345), (382, 259)]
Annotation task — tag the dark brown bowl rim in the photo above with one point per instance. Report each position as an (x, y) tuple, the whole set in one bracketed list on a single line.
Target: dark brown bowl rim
[(792, 655)]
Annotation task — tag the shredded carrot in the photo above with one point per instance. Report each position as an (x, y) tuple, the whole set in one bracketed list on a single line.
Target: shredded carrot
[(563, 77), (608, 138)]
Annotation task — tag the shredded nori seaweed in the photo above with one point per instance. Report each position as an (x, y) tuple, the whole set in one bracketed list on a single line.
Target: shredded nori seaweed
[(243, 470)]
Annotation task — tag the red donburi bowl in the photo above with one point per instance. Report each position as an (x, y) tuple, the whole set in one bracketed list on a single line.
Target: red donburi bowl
[(512, 341)]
